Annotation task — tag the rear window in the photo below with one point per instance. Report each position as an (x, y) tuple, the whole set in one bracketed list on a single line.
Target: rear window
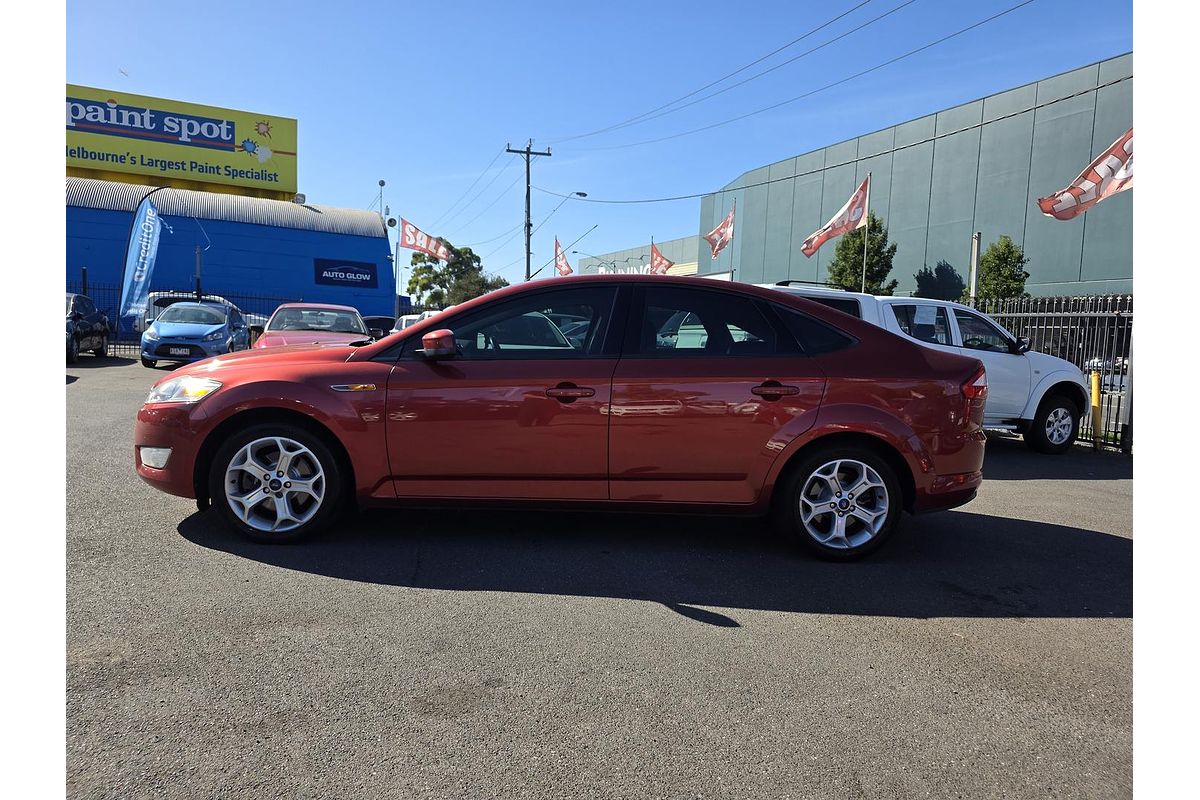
[(844, 304), (813, 336), (925, 323)]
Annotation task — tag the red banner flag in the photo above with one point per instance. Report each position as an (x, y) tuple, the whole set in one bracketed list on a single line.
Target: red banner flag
[(850, 216), (560, 259), (720, 237), (414, 238), (659, 264), (1111, 172)]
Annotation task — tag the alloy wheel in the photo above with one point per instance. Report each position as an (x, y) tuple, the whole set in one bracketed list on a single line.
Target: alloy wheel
[(1059, 426), (844, 504), (275, 484)]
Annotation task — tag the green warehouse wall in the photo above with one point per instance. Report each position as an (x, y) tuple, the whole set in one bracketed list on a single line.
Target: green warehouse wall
[(979, 166)]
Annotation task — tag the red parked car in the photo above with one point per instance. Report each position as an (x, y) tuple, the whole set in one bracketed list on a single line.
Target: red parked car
[(682, 393), (312, 323)]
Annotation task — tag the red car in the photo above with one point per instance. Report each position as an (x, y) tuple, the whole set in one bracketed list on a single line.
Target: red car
[(312, 323), (681, 393)]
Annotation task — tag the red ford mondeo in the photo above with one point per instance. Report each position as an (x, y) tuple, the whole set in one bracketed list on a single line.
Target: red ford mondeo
[(621, 392)]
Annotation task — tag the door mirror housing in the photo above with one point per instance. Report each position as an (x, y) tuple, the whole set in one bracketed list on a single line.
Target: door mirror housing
[(1021, 345), (377, 333), (439, 344)]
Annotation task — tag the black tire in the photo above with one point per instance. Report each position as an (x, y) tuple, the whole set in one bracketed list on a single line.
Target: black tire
[(1037, 436), (72, 350), (330, 467), (148, 363), (102, 350), (788, 503)]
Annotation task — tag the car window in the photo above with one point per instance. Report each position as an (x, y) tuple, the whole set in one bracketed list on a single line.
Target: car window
[(678, 321), (525, 328), (844, 304), (195, 315), (813, 336), (979, 334), (329, 320), (923, 322)]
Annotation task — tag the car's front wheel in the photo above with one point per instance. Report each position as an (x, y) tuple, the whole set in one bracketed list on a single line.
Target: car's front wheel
[(1054, 426), (275, 482), (149, 363), (72, 350), (840, 502)]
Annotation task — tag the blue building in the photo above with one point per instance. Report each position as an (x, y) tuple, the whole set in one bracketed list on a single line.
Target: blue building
[(249, 246)]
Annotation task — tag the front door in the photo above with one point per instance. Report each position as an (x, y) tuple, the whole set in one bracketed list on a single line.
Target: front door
[(1007, 372), (708, 392), (518, 413)]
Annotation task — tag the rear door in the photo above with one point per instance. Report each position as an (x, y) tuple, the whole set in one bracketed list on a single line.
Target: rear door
[(521, 412), (709, 389)]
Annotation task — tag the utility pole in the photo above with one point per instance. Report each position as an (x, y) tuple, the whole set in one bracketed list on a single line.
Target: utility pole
[(528, 153), (975, 239)]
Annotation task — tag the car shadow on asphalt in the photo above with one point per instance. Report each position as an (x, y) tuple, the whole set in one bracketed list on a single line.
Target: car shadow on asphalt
[(954, 564), (1009, 459), (89, 361)]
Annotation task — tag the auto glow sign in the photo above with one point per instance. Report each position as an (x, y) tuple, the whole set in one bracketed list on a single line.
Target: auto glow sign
[(115, 132), (329, 272)]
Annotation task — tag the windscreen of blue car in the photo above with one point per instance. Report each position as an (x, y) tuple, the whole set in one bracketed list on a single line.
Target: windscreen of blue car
[(196, 315)]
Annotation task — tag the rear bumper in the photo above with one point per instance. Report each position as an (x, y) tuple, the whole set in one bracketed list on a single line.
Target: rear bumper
[(948, 491)]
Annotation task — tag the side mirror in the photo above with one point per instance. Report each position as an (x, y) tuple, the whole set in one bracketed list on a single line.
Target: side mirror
[(1022, 345), (439, 344), (376, 333), (75, 315)]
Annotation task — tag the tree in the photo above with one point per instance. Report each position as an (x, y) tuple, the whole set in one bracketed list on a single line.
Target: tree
[(1001, 272), (940, 283), (457, 281), (846, 269)]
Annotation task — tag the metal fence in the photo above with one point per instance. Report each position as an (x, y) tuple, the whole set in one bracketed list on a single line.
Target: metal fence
[(1092, 332)]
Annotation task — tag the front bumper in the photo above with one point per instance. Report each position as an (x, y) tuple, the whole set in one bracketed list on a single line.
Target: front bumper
[(168, 425), (160, 349)]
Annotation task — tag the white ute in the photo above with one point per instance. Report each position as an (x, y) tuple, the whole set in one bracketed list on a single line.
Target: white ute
[(1037, 395)]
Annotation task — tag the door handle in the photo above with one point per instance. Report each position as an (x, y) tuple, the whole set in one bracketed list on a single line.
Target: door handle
[(569, 392), (773, 390)]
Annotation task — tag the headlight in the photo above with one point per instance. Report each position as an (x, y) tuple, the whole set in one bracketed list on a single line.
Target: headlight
[(187, 389), (150, 335), (212, 337)]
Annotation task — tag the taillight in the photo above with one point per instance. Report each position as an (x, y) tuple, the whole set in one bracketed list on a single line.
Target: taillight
[(974, 392), (976, 386)]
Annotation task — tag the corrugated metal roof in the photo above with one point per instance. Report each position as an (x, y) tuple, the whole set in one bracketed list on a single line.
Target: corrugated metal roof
[(115, 196)]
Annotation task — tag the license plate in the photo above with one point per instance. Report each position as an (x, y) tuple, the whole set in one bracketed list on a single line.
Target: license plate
[(181, 351)]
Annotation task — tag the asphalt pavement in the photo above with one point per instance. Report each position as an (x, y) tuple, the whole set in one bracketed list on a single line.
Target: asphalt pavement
[(984, 652)]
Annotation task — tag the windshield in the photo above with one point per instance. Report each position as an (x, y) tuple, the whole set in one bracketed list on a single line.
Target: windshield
[(196, 315), (332, 320)]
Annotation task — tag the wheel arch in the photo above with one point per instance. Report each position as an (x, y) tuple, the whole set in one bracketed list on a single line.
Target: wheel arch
[(884, 449), (256, 416), (1060, 385)]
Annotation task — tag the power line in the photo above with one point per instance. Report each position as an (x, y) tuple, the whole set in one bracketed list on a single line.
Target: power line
[(467, 191), (494, 238), (780, 65), (535, 230), (827, 86), (478, 195), (890, 150), (499, 197), (743, 68)]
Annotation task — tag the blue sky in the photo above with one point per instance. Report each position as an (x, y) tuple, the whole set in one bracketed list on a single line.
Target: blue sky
[(426, 95)]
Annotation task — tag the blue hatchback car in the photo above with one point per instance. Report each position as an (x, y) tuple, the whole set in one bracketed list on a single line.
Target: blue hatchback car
[(188, 332)]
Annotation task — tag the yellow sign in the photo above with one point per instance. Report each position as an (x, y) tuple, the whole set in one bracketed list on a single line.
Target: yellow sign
[(179, 143)]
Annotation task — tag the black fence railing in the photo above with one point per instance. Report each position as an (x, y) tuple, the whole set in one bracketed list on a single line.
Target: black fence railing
[(1094, 333)]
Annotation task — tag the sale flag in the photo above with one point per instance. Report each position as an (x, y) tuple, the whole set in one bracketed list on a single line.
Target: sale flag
[(414, 238), (560, 259), (720, 237), (659, 264), (140, 257), (850, 216), (1111, 172)]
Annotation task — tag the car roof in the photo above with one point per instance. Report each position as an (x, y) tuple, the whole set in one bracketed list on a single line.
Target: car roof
[(330, 306), (217, 306)]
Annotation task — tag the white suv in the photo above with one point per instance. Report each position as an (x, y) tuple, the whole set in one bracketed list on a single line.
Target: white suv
[(1038, 395)]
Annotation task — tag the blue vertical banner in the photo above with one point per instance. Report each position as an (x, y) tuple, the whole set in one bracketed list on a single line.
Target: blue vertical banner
[(139, 259)]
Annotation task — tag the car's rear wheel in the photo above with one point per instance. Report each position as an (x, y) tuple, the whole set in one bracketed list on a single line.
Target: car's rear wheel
[(102, 350), (275, 482), (840, 502), (1054, 426)]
